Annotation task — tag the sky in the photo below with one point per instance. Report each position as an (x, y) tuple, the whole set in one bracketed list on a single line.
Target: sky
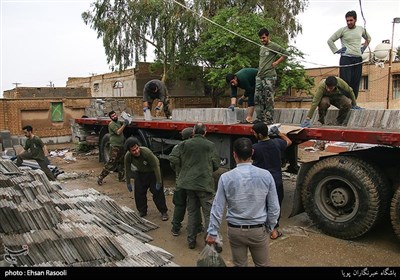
[(45, 42)]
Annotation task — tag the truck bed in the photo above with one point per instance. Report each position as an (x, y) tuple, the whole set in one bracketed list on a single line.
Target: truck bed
[(295, 132)]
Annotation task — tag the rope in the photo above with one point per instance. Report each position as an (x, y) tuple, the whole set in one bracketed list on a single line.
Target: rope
[(259, 45)]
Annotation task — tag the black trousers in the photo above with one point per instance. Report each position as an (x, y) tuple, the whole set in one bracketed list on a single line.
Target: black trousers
[(351, 74), (143, 182)]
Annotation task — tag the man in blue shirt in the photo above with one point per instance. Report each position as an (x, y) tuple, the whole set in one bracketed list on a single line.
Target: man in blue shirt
[(253, 207)]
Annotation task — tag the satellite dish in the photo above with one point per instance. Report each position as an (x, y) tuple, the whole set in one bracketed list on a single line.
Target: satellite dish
[(381, 52)]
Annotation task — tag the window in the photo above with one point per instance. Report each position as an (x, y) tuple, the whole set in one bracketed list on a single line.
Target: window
[(396, 86), (117, 86), (364, 83), (57, 112), (96, 87)]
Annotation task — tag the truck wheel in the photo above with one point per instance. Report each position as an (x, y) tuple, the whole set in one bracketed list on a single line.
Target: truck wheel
[(395, 212), (345, 196), (105, 148)]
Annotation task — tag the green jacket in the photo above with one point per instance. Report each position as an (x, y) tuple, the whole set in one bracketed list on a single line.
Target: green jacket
[(35, 147), (246, 80), (197, 160), (174, 158), (268, 54), (115, 139), (146, 162), (341, 88)]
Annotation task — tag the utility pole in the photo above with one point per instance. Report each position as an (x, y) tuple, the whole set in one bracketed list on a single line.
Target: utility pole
[(50, 84), (16, 84)]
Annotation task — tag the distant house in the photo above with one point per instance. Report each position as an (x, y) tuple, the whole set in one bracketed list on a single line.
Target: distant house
[(130, 83)]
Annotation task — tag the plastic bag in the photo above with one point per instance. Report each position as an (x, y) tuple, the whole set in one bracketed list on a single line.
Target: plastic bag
[(210, 258)]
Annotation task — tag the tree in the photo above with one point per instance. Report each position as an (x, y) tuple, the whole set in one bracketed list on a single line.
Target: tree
[(224, 52), (128, 27), (173, 28)]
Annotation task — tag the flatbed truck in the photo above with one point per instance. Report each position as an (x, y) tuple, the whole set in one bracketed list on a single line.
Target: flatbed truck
[(345, 194)]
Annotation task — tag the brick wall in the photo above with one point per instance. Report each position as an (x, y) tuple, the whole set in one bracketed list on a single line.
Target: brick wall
[(16, 113)]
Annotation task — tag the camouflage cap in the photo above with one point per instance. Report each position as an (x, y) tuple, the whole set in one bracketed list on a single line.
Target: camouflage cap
[(187, 133)]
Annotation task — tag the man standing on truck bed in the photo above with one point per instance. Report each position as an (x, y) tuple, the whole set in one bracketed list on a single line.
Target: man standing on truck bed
[(351, 53), (156, 89), (115, 129), (271, 55)]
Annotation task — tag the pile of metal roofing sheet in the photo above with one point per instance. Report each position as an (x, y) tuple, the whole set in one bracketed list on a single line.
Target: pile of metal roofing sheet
[(43, 225)]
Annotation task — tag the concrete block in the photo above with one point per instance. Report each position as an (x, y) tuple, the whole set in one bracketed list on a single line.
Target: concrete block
[(394, 116), (15, 139), (230, 117), (371, 118), (378, 119), (385, 119), (5, 134), (7, 143), (9, 152), (18, 149)]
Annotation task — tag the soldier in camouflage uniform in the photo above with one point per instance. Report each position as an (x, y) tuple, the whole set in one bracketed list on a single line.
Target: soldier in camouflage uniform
[(117, 152), (271, 54)]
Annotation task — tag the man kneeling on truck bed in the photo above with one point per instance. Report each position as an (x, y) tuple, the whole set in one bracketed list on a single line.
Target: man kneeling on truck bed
[(335, 91)]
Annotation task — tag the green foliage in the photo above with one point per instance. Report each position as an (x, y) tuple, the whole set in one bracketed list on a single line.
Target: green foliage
[(224, 52), (183, 37), (83, 147)]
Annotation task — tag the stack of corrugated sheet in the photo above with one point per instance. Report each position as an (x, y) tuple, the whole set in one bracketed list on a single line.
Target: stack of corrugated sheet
[(43, 225)]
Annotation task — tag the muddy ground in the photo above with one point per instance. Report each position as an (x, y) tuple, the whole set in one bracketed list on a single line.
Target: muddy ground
[(302, 244)]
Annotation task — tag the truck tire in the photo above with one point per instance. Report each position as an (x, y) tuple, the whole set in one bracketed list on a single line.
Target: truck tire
[(395, 212), (105, 148), (345, 196)]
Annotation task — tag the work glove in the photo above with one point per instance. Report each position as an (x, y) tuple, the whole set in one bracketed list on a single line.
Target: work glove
[(13, 158), (355, 107), (126, 122), (273, 131), (232, 107), (363, 48), (306, 123), (157, 108), (342, 50), (145, 109), (129, 186), (158, 186), (240, 101)]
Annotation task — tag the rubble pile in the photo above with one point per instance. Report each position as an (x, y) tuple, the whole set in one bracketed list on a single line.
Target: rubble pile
[(44, 225)]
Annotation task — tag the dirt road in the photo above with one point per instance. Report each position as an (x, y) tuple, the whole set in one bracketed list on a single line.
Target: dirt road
[(302, 245)]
